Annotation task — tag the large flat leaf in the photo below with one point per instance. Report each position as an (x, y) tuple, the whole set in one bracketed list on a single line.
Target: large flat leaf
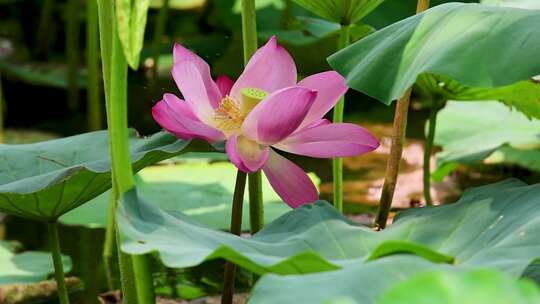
[(358, 283), (473, 52), (26, 267), (45, 180), (131, 20), (201, 190), (480, 286), (528, 4), (471, 132), (494, 225), (397, 279), (340, 11)]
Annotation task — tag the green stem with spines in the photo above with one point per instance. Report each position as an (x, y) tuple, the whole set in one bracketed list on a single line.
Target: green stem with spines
[(93, 106), (249, 40), (337, 163), (236, 228), (396, 148), (54, 244), (428, 148), (159, 29), (72, 53)]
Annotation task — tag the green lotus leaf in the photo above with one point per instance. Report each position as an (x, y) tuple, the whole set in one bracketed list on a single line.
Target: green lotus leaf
[(476, 132), (479, 286), (340, 11), (491, 226), (44, 180), (397, 279), (26, 267), (201, 190), (458, 51), (179, 4), (528, 4)]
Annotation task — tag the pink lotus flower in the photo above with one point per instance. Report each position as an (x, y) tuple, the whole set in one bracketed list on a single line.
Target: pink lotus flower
[(263, 111)]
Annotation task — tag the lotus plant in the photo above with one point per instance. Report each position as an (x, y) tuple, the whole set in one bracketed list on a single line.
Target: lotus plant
[(263, 112)]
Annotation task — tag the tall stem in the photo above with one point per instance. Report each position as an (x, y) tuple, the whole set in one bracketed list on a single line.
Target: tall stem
[(72, 52), (249, 38), (110, 249), (161, 22), (54, 243), (392, 166), (93, 107), (337, 163), (121, 158), (236, 228), (134, 272), (427, 151), (396, 148)]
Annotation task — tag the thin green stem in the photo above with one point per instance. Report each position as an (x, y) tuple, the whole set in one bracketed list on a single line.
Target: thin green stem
[(236, 228), (249, 39), (396, 147), (249, 29), (159, 29), (337, 163), (428, 150), (110, 257), (256, 208), (93, 106), (72, 52), (54, 243)]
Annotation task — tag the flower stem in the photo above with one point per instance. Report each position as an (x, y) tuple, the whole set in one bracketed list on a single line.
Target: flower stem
[(159, 29), (236, 228), (249, 38), (427, 152), (249, 29), (256, 208), (396, 148), (110, 249), (72, 53), (92, 48), (337, 163), (54, 243)]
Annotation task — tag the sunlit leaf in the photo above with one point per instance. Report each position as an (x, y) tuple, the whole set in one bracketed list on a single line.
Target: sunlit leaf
[(47, 179), (471, 132), (480, 286), (201, 190), (131, 20), (396, 280), (487, 52), (26, 267), (491, 226), (340, 11), (528, 4)]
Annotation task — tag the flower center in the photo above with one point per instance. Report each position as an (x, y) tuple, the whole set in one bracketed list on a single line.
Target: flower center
[(230, 114)]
